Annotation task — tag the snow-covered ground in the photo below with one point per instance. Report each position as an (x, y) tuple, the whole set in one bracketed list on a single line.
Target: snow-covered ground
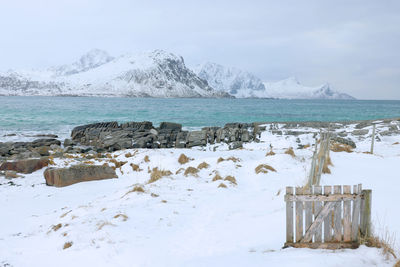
[(191, 221)]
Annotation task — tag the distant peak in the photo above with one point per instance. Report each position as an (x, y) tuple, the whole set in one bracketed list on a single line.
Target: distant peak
[(292, 79), (93, 58)]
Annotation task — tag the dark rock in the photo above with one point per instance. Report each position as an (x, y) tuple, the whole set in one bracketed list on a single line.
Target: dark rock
[(170, 126), (25, 166), (43, 150), (79, 131), (360, 132), (235, 145), (60, 177), (45, 142)]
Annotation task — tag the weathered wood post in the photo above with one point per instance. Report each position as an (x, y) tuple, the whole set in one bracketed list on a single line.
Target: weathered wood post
[(365, 224), (373, 138)]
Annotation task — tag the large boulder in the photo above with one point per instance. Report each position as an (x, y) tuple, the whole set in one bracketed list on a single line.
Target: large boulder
[(25, 166), (60, 177)]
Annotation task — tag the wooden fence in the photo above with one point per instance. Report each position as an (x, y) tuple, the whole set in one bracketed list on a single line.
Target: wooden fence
[(327, 219)]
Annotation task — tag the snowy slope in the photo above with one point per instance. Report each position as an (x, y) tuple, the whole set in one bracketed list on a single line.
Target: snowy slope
[(149, 74)]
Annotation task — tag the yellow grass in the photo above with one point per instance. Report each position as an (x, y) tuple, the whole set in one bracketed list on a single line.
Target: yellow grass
[(336, 147), (157, 174), (263, 168), (191, 171), (179, 170), (397, 143), (56, 227), (233, 159), (203, 165), (118, 164), (135, 167), (101, 224), (222, 185), (183, 159), (290, 152), (136, 188), (271, 153), (230, 179), (217, 177), (386, 243), (67, 245), (108, 155), (397, 264), (122, 216), (146, 158)]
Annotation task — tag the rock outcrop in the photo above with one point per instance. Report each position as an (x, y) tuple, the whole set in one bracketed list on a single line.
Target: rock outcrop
[(60, 177), (111, 136), (25, 166)]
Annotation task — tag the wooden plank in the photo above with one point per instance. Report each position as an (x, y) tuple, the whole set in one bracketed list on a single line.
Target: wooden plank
[(347, 215), (328, 245), (289, 216), (317, 224), (337, 216), (355, 222), (365, 228), (333, 197), (328, 218), (299, 216), (308, 210), (317, 209)]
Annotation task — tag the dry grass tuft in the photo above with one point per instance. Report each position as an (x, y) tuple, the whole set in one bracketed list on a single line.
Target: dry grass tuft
[(89, 162), (128, 155), (231, 179), (101, 224), (135, 167), (386, 243), (263, 168), (136, 188), (108, 155), (146, 158), (183, 159), (326, 169), (336, 147), (306, 146), (203, 165), (290, 152), (51, 160), (271, 153), (157, 174), (191, 171), (120, 215), (118, 164), (217, 177), (397, 143), (56, 227), (67, 245), (222, 185), (397, 264), (233, 159), (154, 195), (179, 170)]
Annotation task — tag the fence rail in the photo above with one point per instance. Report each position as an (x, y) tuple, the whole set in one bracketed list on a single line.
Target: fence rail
[(327, 217)]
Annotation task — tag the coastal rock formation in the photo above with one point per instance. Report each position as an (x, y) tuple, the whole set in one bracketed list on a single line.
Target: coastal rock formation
[(111, 136), (60, 177), (21, 150)]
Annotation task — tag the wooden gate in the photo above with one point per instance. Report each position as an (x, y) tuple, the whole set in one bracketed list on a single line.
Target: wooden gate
[(326, 219)]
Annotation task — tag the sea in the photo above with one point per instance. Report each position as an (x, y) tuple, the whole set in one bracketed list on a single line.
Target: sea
[(23, 118)]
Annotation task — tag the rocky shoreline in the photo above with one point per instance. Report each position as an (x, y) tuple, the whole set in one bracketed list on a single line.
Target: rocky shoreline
[(112, 136)]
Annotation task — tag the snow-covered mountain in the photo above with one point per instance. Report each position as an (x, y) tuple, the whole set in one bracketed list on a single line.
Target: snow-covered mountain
[(243, 84), (231, 80), (150, 74), (292, 89)]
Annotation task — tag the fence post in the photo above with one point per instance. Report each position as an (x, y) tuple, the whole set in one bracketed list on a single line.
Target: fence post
[(365, 225), (373, 138)]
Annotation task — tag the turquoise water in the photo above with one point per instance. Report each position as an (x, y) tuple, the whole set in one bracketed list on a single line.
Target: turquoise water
[(60, 114)]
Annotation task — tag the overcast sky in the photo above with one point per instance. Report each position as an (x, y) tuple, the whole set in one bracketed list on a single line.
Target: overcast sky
[(353, 45)]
